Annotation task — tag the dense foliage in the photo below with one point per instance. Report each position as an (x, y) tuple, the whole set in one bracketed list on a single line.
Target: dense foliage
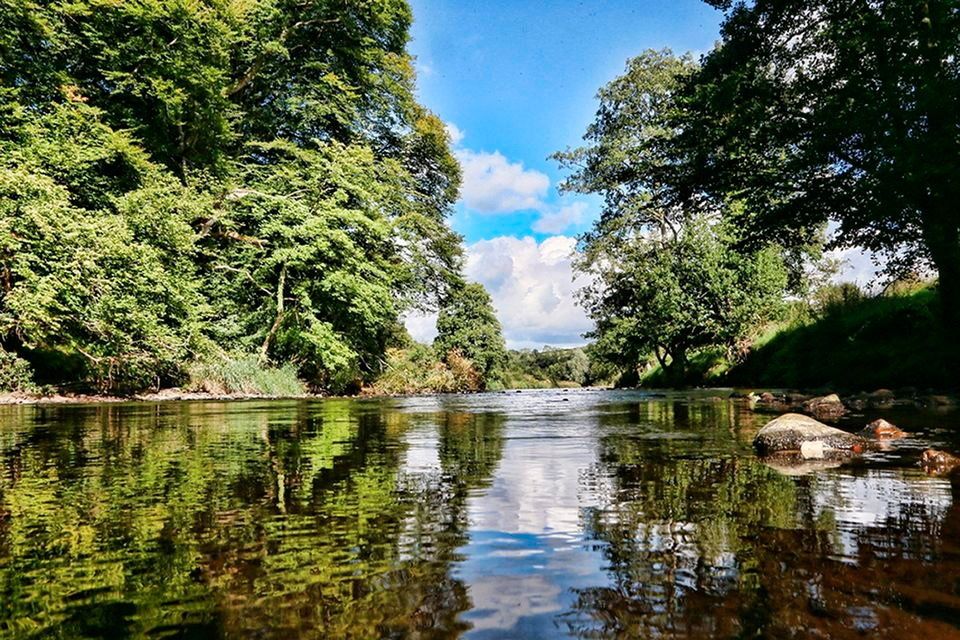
[(467, 326), (555, 367), (835, 110), (665, 277), (188, 181)]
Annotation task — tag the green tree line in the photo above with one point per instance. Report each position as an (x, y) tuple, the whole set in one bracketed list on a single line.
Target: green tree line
[(188, 181), (809, 126)]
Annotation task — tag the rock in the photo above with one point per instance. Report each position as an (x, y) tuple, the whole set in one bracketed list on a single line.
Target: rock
[(825, 407), (790, 431), (882, 430), (812, 450), (767, 402), (938, 462)]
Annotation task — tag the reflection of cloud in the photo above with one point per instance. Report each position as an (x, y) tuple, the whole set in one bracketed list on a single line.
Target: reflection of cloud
[(877, 499), (500, 604), (528, 553)]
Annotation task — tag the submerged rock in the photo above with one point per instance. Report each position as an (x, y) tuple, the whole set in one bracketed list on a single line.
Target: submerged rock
[(825, 407), (790, 431), (882, 430), (767, 402), (938, 462)]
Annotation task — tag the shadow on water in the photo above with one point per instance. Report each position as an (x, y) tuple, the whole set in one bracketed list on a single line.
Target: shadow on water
[(584, 514)]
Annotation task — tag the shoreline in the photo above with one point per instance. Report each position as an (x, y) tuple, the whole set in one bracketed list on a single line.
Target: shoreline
[(880, 399)]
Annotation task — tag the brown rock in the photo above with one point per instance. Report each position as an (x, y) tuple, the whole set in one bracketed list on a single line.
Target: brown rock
[(938, 462), (882, 430), (825, 407)]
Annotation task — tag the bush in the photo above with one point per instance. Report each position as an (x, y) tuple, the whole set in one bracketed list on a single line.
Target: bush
[(417, 369), (16, 374), (245, 375)]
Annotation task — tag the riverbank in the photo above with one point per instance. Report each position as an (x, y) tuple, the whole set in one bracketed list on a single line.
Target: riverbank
[(848, 345), (164, 395)]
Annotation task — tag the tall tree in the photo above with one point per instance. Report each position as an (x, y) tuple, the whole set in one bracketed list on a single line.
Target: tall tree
[(837, 110), (665, 275), (264, 163)]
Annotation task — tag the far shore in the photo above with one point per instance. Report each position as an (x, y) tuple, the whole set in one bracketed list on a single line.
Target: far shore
[(779, 398)]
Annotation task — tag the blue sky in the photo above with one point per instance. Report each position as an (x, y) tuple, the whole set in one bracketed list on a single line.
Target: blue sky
[(519, 78), (516, 81)]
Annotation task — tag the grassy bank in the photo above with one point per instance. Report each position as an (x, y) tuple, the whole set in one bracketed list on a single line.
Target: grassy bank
[(846, 342)]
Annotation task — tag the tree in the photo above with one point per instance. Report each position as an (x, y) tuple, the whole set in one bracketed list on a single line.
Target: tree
[(195, 179), (468, 325), (666, 276), (97, 280), (836, 110), (674, 297)]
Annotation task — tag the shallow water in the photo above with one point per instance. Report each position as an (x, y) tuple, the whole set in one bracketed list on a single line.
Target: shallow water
[(517, 515)]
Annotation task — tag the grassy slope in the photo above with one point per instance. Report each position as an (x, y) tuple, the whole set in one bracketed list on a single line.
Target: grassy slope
[(891, 342)]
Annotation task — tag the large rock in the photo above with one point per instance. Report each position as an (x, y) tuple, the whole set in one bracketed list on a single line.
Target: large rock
[(825, 407), (791, 430)]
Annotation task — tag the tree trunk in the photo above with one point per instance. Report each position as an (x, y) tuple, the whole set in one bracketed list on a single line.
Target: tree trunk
[(943, 240)]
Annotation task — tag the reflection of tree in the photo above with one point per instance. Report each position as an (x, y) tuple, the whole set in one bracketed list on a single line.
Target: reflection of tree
[(270, 519), (702, 540)]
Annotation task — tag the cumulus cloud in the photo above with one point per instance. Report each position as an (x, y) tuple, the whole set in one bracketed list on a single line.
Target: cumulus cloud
[(422, 326), (561, 219), (456, 133), (493, 184), (533, 287)]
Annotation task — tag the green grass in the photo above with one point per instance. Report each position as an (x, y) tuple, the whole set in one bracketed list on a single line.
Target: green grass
[(892, 341), (852, 343), (245, 375)]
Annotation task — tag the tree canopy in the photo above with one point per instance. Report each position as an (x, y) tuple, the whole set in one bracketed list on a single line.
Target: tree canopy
[(182, 179), (467, 326), (666, 276), (835, 110)]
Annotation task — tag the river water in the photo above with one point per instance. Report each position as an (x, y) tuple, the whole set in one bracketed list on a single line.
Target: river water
[(515, 515)]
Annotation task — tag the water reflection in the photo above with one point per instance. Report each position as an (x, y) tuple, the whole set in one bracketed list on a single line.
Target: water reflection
[(584, 514)]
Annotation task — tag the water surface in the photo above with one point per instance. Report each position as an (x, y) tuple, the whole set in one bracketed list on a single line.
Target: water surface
[(520, 515)]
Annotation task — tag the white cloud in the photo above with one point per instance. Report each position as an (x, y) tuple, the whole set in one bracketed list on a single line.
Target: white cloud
[(493, 184), (532, 287), (857, 265), (422, 326), (561, 219), (456, 133)]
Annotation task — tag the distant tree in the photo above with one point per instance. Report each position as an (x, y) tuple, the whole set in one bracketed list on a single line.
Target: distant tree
[(468, 325), (666, 274), (816, 110)]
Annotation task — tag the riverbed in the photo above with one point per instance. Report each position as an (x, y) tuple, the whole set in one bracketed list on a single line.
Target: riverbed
[(544, 514)]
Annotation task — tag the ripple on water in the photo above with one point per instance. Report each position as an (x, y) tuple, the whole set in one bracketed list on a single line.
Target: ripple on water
[(534, 514)]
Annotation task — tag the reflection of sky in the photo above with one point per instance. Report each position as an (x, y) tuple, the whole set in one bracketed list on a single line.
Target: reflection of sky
[(527, 551), (878, 498), (528, 554)]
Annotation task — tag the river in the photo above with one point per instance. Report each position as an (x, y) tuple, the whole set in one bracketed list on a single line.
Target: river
[(506, 515)]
